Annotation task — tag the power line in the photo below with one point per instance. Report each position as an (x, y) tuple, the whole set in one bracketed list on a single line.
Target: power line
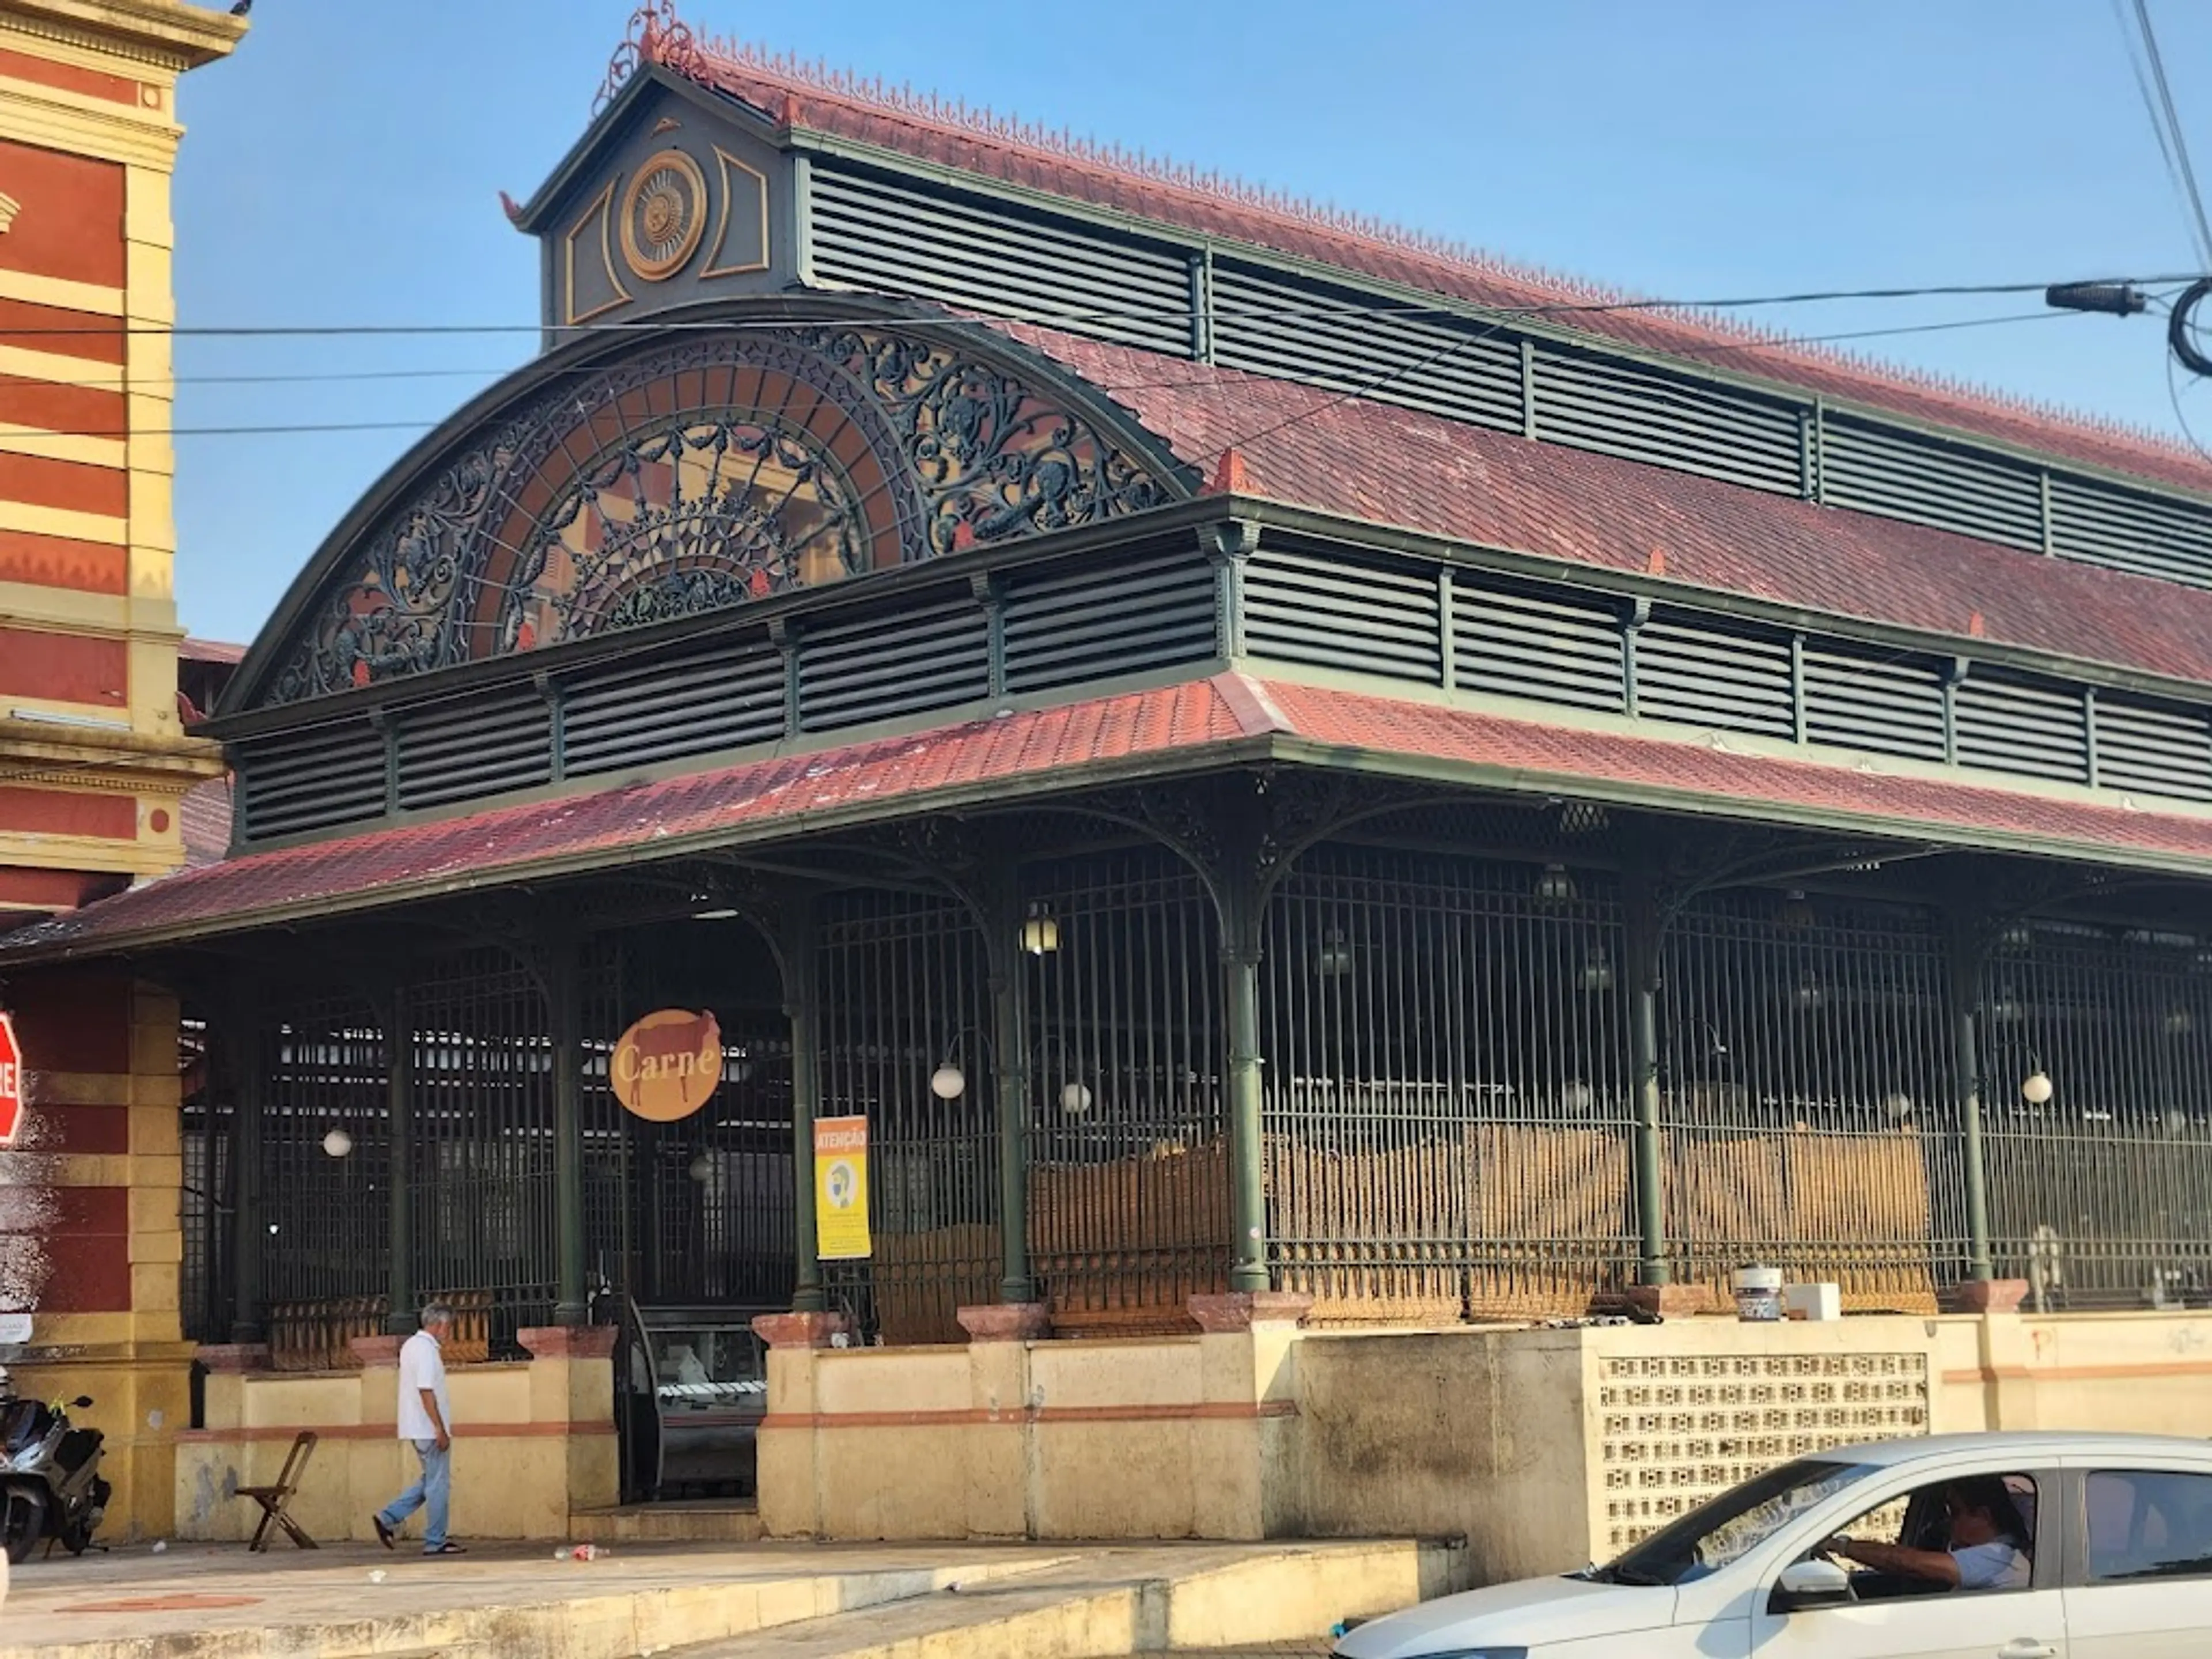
[(490, 372), (319, 428), (1445, 306), (2165, 123)]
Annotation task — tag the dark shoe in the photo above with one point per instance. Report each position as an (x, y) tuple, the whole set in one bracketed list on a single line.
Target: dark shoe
[(384, 1536), (449, 1548)]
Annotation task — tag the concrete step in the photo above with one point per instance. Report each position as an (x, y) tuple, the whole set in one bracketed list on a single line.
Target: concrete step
[(705, 1521), (646, 1601), (1128, 1601)]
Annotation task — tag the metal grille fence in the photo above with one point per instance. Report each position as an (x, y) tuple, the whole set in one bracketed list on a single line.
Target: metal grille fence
[(1806, 1101), (482, 1164), (327, 1219), (1129, 1193), (2101, 1194), (902, 991), (204, 1195), (1446, 1087), (708, 1214)]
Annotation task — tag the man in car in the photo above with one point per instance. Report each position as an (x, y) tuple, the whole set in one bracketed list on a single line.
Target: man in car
[(1989, 1542)]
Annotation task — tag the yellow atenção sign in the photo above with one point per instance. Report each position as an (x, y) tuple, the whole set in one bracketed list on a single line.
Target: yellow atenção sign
[(840, 1189)]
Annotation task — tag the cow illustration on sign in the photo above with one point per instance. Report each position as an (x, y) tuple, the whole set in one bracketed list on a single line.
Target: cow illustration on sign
[(668, 1064)]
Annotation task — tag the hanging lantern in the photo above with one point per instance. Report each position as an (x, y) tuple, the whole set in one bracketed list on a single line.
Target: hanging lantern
[(1075, 1099), (1040, 933), (1555, 885), (2036, 1088), (1898, 1105), (1334, 957), (703, 1168), (948, 1082), (338, 1144)]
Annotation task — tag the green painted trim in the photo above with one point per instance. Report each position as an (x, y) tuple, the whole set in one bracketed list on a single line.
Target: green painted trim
[(1362, 535)]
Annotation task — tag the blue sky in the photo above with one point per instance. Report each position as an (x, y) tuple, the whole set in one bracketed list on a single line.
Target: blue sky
[(344, 169)]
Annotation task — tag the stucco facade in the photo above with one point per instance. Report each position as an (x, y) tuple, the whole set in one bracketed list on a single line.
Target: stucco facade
[(94, 761)]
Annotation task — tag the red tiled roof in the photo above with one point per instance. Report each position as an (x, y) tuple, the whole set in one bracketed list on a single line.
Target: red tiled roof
[(203, 820), (1388, 465), (1195, 722), (420, 859), (1731, 781), (215, 651), (976, 142)]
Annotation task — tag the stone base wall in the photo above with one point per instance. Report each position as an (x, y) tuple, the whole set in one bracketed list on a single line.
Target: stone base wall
[(533, 1443), (1544, 1447)]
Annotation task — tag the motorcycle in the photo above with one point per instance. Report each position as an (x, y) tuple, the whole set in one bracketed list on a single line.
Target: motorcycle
[(49, 1482)]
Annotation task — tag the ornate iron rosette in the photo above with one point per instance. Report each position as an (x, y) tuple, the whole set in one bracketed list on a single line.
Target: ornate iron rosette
[(663, 213), (698, 476)]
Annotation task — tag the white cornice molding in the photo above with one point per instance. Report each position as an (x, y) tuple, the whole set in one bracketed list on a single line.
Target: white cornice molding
[(168, 36)]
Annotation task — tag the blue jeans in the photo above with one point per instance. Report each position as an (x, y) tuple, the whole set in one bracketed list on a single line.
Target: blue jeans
[(435, 1488)]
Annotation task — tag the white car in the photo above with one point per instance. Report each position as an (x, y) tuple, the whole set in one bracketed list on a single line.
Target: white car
[(2091, 1546)]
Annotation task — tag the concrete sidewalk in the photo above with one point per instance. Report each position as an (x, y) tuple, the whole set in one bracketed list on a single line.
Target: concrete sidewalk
[(350, 1601)]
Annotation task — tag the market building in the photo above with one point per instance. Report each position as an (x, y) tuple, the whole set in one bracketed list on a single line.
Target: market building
[(1278, 770), (96, 764)]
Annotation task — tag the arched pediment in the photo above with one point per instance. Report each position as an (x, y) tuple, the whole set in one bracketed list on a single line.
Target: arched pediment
[(724, 461)]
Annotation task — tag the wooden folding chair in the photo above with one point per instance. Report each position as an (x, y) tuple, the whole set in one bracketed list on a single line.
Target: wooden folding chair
[(276, 1500)]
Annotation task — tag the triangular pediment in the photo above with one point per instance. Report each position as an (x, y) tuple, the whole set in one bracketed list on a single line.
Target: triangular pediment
[(674, 194)]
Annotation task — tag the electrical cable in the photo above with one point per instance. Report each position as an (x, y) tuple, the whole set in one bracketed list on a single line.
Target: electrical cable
[(1714, 348), (1046, 319), (1786, 343), (2194, 198)]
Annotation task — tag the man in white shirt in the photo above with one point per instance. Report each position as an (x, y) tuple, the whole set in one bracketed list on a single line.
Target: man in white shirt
[(426, 1421)]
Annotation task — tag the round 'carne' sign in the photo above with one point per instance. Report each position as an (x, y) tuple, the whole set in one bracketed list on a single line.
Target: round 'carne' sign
[(667, 1064)]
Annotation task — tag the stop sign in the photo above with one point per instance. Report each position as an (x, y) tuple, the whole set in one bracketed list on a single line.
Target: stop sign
[(11, 1083)]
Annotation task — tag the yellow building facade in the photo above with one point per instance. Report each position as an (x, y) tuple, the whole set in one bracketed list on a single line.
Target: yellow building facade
[(94, 761)]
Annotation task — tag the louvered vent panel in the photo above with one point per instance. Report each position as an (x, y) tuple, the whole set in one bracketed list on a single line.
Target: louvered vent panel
[(1345, 340), (693, 705), (2150, 535), (1066, 626), (1339, 614), (1701, 676), (899, 238), (1902, 475), (1559, 648), (311, 780), (2010, 726), (1873, 702), (1620, 408), (478, 744), (2158, 750), (932, 656)]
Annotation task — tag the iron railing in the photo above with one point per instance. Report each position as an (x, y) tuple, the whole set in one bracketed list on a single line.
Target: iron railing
[(903, 991), (1808, 1102), (1127, 1144), (2100, 1194), (1446, 1103), (1448, 1107)]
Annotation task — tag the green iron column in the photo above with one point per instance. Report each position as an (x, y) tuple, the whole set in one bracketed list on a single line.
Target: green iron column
[(249, 1068), (799, 1006), (399, 1061), (1010, 1050), (1965, 999), (564, 997), (1247, 1198), (1644, 934)]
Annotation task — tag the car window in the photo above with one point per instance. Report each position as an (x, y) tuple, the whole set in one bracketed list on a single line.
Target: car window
[(1972, 1532), (2149, 1523), (1730, 1526)]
